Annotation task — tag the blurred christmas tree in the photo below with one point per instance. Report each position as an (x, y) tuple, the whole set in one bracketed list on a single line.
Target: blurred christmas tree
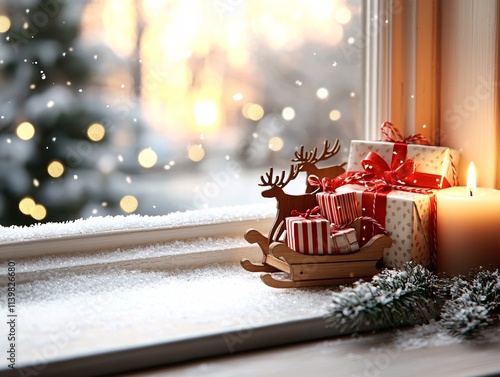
[(54, 124)]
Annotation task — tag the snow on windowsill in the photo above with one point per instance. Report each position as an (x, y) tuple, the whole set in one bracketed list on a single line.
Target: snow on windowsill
[(105, 307), (99, 225)]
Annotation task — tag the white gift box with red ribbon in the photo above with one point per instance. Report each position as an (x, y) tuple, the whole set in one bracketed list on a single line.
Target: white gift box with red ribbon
[(308, 236), (400, 160), (340, 208), (344, 241), (395, 181)]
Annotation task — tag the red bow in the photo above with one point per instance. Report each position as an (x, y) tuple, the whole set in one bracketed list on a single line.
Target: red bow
[(377, 166), (387, 129), (326, 184), (307, 214)]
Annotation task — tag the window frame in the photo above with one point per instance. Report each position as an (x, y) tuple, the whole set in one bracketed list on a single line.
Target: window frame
[(384, 48)]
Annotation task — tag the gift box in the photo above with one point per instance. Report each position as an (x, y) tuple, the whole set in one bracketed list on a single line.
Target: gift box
[(344, 241), (434, 167), (309, 235), (408, 217), (338, 208)]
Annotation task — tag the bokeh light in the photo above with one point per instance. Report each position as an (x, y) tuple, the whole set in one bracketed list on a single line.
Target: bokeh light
[(288, 113), (26, 205), (38, 212), (322, 93), (4, 23), (96, 132), (276, 144), (335, 115), (196, 153), (252, 111), (55, 169), (25, 131), (147, 158), (343, 16), (129, 203)]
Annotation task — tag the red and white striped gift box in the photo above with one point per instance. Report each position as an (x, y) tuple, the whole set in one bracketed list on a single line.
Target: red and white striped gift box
[(344, 241), (308, 235), (339, 208)]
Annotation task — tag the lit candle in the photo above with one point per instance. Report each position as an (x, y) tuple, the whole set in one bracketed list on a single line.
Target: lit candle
[(468, 227)]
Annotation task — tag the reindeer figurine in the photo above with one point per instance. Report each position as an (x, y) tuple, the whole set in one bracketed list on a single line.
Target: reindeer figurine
[(307, 162), (286, 203)]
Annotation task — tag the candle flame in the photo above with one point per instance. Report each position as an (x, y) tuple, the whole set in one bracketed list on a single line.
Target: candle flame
[(471, 179)]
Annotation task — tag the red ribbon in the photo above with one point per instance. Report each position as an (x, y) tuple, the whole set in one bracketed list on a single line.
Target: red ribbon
[(376, 165), (326, 184), (307, 214), (388, 129), (338, 227), (399, 175)]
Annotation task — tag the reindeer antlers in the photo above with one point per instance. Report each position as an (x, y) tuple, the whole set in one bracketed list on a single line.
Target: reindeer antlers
[(328, 151), (279, 180)]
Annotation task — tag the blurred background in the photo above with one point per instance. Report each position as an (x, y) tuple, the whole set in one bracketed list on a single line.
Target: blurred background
[(112, 107)]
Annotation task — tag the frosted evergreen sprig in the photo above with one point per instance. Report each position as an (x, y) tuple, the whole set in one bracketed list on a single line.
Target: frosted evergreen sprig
[(414, 295), (393, 298), (473, 300)]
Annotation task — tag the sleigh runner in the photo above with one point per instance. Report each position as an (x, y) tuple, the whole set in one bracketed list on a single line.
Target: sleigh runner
[(283, 267)]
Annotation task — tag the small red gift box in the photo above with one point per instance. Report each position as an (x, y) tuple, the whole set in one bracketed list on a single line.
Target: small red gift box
[(309, 234), (339, 208), (344, 241)]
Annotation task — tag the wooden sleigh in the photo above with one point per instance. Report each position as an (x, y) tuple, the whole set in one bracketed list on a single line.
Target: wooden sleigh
[(282, 267)]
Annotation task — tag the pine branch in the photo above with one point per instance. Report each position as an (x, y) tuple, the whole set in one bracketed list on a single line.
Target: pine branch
[(393, 298), (472, 301), (413, 295)]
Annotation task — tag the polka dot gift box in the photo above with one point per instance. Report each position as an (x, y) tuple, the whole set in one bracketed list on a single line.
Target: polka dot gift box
[(406, 216), (396, 180)]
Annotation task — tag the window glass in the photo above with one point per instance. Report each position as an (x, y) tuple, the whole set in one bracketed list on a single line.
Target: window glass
[(126, 106)]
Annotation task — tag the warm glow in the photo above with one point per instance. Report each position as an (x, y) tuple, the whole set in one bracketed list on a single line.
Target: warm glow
[(196, 59), (55, 169), (335, 115), (120, 35), (205, 113), (38, 212), (25, 131), (196, 153), (288, 113), (26, 205), (276, 144), (96, 132), (471, 179), (343, 16), (322, 93), (129, 203), (4, 24), (147, 158), (253, 111)]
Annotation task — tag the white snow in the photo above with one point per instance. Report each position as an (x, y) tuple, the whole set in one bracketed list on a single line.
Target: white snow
[(68, 314), (167, 250), (100, 224)]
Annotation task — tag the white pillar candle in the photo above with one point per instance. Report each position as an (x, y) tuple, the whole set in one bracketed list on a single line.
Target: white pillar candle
[(468, 228)]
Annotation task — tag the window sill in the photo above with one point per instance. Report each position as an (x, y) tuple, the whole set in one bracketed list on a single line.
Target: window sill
[(114, 300)]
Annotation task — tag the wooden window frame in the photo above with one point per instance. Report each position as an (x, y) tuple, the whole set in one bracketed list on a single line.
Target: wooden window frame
[(404, 58), (439, 75)]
